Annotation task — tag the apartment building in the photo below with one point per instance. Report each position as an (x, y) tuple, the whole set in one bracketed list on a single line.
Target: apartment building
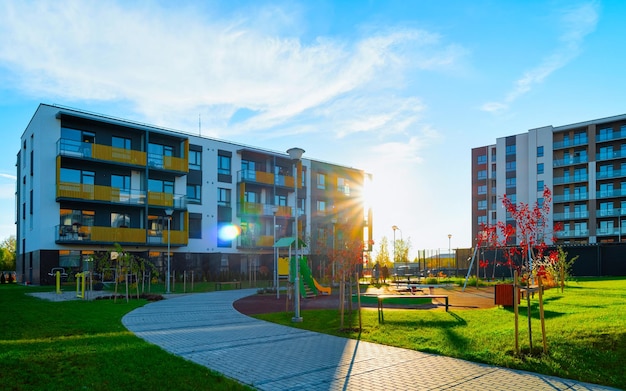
[(87, 181), (584, 164)]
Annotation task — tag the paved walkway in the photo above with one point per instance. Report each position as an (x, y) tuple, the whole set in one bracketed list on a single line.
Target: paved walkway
[(206, 329)]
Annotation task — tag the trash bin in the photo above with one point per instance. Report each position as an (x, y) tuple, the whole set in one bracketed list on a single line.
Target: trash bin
[(504, 295)]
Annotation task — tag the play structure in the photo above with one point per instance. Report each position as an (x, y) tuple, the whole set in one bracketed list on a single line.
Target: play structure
[(309, 287)]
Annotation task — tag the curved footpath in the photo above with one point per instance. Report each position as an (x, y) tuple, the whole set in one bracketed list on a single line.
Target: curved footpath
[(206, 329)]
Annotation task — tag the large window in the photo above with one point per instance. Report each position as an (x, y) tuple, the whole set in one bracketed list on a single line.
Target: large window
[(159, 186), (120, 220), (77, 176), (194, 193), (120, 142), (156, 153), (510, 149), (250, 196), (482, 189), (482, 204), (540, 151), (321, 181), (482, 159), (195, 225), (321, 207), (223, 196), (482, 174), (223, 164), (511, 166), (539, 185), (511, 182), (540, 168), (195, 160), (343, 186)]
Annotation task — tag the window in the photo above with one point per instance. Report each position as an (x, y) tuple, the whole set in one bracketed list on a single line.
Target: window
[(77, 217), (511, 182), (482, 174), (510, 149), (540, 168), (195, 160), (605, 134), (121, 182), (120, 220), (540, 151), (159, 186), (223, 164), (321, 207), (539, 185), (482, 204), (280, 200), (540, 202), (482, 220), (70, 175), (250, 196), (321, 181), (343, 186), (194, 193), (120, 142), (482, 159), (223, 196), (510, 166), (156, 152), (195, 225), (482, 189)]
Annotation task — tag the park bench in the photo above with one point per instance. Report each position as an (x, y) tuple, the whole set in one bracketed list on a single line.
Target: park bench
[(381, 299), (234, 284)]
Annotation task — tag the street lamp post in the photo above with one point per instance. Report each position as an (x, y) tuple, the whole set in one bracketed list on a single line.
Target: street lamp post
[(275, 209), (449, 250), (168, 212), (395, 227), (296, 155), (334, 221)]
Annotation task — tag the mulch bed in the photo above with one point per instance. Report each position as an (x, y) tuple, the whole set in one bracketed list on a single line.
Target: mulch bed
[(471, 298)]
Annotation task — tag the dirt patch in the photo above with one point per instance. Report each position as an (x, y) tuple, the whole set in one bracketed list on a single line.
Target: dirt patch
[(471, 298)]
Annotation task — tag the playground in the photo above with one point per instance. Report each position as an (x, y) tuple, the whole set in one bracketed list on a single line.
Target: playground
[(469, 299)]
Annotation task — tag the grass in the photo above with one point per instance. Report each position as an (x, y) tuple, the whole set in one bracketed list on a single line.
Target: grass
[(83, 345), (585, 331)]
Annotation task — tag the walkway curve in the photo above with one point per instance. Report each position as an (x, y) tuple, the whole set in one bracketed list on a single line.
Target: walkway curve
[(206, 329)]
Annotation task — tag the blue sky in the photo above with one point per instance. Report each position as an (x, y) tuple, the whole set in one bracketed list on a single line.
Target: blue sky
[(402, 89)]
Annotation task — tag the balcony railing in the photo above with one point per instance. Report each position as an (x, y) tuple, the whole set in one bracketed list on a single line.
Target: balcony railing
[(620, 134), (562, 180), (252, 208), (170, 163), (570, 161), (570, 143), (610, 231), (94, 234), (611, 174), (571, 215), (580, 233), (100, 193), (79, 191), (571, 197), (610, 155), (67, 147), (252, 241), (265, 178), (611, 193), (610, 212)]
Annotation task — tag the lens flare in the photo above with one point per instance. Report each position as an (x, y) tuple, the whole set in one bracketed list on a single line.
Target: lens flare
[(229, 232)]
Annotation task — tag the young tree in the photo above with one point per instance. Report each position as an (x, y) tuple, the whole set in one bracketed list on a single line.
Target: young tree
[(349, 261), (382, 256), (7, 253)]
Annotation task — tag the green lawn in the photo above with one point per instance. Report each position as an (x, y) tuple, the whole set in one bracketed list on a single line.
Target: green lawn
[(585, 329), (82, 345)]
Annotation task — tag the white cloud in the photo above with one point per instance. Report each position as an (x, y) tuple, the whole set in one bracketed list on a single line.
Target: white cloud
[(576, 22), (173, 64)]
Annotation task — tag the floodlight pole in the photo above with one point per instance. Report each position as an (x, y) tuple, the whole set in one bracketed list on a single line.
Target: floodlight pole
[(296, 155), (169, 219)]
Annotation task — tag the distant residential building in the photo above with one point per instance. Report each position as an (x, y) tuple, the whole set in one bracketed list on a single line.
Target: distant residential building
[(584, 165)]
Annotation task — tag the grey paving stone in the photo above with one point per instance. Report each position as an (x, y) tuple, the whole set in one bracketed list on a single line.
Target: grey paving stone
[(206, 329)]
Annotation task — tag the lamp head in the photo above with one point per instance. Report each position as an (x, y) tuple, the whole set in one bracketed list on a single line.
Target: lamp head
[(395, 227), (295, 153), (169, 212)]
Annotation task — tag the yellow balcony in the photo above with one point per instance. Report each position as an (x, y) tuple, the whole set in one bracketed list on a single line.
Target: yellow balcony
[(119, 155), (100, 193)]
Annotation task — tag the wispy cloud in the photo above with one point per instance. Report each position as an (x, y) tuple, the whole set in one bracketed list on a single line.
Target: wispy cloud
[(576, 22), (173, 64)]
